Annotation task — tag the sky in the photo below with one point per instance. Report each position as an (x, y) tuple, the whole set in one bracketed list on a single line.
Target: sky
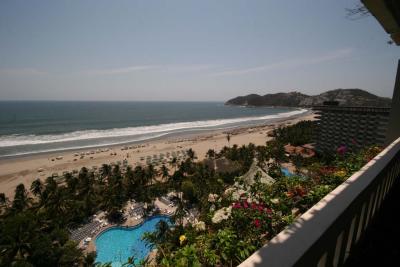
[(188, 50)]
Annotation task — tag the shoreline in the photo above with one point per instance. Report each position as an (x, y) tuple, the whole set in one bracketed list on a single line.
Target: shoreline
[(24, 169), (158, 135)]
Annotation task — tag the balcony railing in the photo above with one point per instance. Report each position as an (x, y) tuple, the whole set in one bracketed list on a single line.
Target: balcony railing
[(326, 233)]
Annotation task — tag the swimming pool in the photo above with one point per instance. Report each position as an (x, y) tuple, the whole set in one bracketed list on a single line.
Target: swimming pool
[(286, 172), (117, 244)]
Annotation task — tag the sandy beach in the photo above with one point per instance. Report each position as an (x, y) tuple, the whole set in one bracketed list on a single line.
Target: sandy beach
[(26, 169)]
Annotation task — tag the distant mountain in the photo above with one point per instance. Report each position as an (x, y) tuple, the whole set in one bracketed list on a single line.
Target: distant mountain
[(345, 97)]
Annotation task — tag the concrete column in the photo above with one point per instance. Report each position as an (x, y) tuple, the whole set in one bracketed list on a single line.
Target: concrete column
[(393, 131)]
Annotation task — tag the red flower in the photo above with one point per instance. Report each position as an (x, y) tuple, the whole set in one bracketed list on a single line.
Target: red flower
[(257, 223), (245, 204), (253, 205), (269, 211), (300, 191), (327, 170), (237, 205)]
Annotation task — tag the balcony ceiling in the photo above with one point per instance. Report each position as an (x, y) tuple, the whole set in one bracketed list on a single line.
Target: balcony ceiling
[(387, 12)]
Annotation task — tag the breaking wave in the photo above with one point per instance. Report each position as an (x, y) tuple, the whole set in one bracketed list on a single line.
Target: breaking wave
[(140, 131)]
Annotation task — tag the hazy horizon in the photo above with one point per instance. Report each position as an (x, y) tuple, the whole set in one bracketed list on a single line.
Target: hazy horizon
[(121, 100), (188, 50)]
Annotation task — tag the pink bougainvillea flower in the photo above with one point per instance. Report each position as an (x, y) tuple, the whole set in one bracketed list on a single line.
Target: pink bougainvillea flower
[(341, 150)]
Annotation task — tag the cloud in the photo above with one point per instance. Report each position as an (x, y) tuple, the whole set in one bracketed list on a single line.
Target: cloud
[(122, 70), (114, 71), (22, 71), (165, 68), (289, 63), (188, 68)]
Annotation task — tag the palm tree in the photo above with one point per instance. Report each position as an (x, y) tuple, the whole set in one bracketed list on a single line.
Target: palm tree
[(179, 212), (129, 181), (107, 264), (190, 153), (89, 259), (164, 172), (21, 198), (211, 153), (228, 138), (17, 237), (3, 201), (139, 176), (150, 173), (129, 262), (85, 182), (71, 182), (114, 197), (57, 204), (113, 206), (174, 162), (176, 179), (50, 185), (37, 188), (105, 171), (162, 231), (159, 236)]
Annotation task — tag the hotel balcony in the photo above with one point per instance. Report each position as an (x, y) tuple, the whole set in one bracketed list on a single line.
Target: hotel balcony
[(355, 224), (337, 229)]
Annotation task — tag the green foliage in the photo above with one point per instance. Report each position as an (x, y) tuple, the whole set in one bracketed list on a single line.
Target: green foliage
[(33, 227), (188, 191), (26, 239), (299, 134), (21, 199), (244, 155), (186, 257), (33, 231), (317, 193), (274, 170)]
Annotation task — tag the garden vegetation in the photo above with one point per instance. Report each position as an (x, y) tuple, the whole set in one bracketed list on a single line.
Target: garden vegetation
[(34, 226)]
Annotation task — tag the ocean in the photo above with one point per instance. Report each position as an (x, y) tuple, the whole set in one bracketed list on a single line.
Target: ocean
[(29, 127)]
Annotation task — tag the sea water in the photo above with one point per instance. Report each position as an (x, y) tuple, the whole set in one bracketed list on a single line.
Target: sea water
[(28, 127)]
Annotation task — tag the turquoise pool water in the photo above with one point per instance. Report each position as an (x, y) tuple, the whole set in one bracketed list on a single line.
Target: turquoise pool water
[(286, 172), (117, 244)]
